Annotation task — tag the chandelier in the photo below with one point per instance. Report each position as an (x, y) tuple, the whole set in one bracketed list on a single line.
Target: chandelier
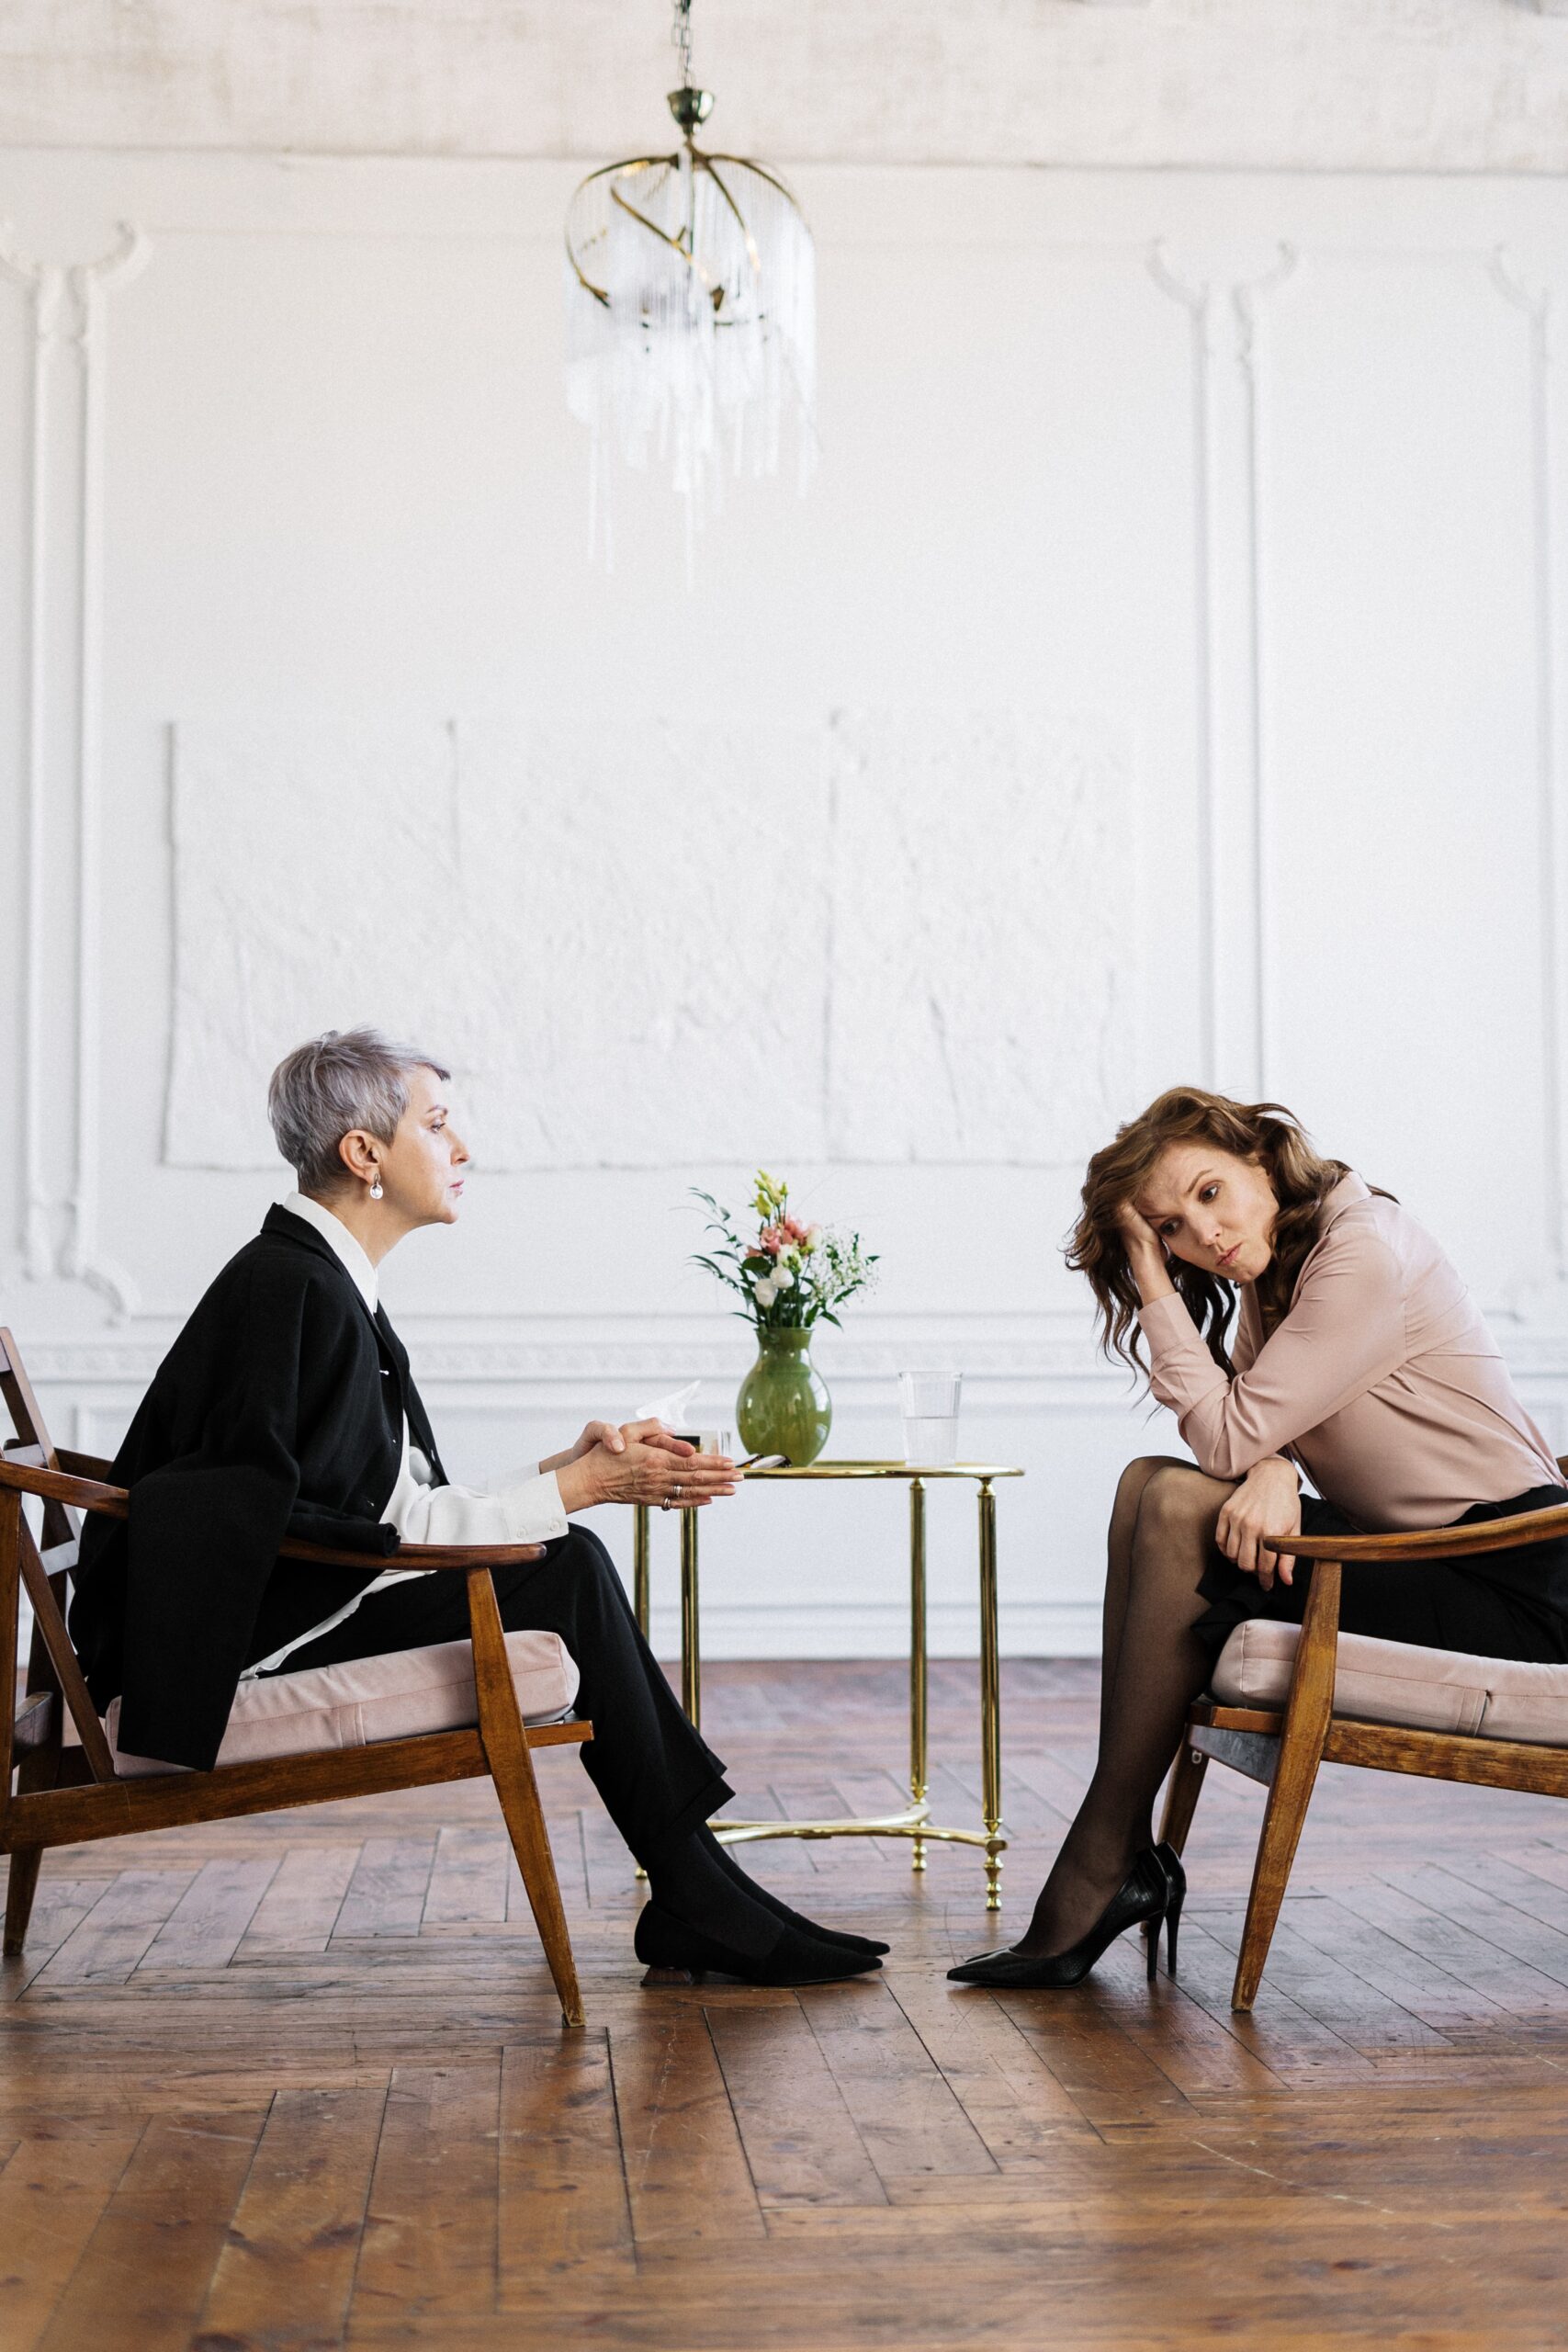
[(690, 314)]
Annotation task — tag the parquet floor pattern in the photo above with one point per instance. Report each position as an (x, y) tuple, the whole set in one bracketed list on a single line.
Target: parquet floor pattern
[(300, 2082)]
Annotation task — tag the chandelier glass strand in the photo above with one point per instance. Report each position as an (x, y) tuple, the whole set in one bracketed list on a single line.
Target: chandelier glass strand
[(691, 314)]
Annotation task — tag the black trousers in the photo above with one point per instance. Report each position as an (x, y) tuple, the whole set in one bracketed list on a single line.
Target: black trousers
[(1506, 1604), (657, 1777)]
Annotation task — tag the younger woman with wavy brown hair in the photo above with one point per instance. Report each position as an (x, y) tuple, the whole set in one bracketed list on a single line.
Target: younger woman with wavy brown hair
[(1358, 1357)]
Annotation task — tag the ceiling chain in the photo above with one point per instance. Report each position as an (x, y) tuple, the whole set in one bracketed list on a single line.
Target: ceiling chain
[(681, 39)]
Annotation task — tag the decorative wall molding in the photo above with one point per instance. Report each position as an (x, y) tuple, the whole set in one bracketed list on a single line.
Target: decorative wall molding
[(1062, 1371), (1195, 300), (45, 282), (1232, 811), (1247, 297), (61, 765), (441, 1356), (1531, 296)]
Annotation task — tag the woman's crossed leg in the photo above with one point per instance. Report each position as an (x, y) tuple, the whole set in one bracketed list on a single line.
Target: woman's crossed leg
[(1154, 1665)]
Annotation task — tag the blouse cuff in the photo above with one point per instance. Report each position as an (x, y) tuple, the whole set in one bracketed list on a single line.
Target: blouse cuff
[(1167, 1324), (1181, 1369), (532, 1509)]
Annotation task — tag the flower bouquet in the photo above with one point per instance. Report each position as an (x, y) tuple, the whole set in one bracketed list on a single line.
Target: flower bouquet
[(789, 1276)]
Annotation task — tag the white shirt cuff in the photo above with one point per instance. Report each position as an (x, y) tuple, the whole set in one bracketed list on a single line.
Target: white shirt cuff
[(531, 1506)]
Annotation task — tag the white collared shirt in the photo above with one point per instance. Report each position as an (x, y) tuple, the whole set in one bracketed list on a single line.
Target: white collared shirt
[(526, 1510)]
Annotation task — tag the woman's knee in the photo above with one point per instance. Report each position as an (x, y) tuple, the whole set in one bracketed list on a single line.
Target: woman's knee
[(1178, 1500), (585, 1546), (593, 1572), (1135, 1478)]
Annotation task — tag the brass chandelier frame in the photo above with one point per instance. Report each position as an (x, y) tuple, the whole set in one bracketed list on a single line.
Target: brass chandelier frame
[(690, 107)]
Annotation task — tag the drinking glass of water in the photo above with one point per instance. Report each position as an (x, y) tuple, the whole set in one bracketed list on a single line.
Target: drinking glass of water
[(930, 1403)]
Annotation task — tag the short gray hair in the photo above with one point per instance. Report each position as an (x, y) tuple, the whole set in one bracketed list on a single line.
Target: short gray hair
[(326, 1088)]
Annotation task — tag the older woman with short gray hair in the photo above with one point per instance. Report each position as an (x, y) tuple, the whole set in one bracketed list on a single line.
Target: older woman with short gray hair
[(287, 1408)]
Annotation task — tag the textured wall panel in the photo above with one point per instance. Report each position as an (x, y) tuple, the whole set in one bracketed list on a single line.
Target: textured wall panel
[(277, 932), (916, 961), (979, 1003), (620, 974)]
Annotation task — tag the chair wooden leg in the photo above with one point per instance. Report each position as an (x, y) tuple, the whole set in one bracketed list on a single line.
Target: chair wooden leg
[(1305, 1727), (20, 1887), (1181, 1793), (511, 1769)]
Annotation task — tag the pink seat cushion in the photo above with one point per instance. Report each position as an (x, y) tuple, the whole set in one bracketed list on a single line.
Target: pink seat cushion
[(1396, 1682), (367, 1699)]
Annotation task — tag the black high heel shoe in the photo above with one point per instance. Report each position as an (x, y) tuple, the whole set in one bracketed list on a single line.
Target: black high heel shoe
[(1144, 1893), (1169, 1861), (675, 1954)]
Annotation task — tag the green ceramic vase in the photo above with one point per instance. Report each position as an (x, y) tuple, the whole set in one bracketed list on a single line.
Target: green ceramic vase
[(783, 1405)]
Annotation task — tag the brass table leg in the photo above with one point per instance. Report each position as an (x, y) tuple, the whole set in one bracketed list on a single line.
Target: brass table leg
[(917, 1679), (641, 1527), (691, 1645), (639, 1568), (914, 1821), (990, 1701)]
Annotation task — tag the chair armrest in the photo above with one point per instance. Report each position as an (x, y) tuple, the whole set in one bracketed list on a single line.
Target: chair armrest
[(414, 1559), (411, 1559), (62, 1487), (82, 1465), (1433, 1543)]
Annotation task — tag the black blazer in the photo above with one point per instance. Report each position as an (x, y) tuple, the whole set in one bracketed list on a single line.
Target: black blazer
[(277, 1412)]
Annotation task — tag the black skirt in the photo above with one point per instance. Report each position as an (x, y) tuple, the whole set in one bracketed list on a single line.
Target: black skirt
[(1509, 1604)]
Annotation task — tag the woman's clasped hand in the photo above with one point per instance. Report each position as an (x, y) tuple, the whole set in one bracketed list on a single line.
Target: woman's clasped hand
[(640, 1462), (1261, 1516)]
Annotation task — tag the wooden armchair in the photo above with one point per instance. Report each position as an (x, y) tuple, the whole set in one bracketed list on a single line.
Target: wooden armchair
[(1282, 1746), (64, 1795)]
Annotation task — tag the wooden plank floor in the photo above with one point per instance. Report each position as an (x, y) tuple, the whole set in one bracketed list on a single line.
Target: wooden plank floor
[(300, 2082)]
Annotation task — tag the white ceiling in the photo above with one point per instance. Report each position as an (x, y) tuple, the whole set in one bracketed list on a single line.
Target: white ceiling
[(1463, 84)]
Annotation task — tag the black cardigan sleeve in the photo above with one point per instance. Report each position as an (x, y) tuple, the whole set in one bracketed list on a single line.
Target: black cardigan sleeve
[(206, 1524)]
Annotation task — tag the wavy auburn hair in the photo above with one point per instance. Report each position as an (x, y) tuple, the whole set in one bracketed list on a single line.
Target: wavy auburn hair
[(1265, 1132)]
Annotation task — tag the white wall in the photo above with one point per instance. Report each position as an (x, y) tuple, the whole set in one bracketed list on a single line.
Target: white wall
[(1161, 679)]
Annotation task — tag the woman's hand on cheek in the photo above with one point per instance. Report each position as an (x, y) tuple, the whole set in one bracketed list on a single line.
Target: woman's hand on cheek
[(1138, 1234), (1146, 1258), (1261, 1513)]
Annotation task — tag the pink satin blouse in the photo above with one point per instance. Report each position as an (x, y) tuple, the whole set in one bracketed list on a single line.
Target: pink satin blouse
[(1383, 1380)]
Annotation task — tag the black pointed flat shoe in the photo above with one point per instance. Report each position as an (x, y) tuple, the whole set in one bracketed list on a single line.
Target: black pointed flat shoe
[(781, 1910), (1144, 1893), (840, 1937), (674, 1953)]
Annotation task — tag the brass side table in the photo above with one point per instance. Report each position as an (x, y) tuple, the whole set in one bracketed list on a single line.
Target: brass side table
[(914, 1822)]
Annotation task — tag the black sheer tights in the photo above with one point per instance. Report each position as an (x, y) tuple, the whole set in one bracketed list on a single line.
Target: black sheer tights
[(1162, 1530)]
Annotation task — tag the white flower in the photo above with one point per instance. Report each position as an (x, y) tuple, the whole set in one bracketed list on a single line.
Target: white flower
[(764, 1293), (813, 1238), (783, 1278)]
